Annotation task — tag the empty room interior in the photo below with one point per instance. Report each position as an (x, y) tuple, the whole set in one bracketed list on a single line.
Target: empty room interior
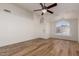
[(39, 29)]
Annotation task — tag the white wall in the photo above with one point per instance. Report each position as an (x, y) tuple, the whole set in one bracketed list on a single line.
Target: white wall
[(45, 27), (17, 26)]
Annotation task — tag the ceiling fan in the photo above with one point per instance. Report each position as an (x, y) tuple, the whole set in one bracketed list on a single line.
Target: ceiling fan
[(46, 8)]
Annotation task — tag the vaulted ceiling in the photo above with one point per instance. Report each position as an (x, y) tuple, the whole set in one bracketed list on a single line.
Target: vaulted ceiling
[(62, 10)]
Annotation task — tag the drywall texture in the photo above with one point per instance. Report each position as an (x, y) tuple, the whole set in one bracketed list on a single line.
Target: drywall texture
[(17, 26)]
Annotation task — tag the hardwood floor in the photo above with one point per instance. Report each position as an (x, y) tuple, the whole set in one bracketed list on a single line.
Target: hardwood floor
[(42, 47)]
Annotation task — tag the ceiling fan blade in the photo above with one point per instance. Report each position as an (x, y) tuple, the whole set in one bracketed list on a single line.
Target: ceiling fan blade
[(42, 13), (41, 5), (50, 11), (38, 10), (53, 5)]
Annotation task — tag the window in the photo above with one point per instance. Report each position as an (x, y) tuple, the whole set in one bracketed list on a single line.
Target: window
[(63, 28)]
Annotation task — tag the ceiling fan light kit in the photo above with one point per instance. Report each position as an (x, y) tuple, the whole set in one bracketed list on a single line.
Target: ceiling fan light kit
[(46, 8)]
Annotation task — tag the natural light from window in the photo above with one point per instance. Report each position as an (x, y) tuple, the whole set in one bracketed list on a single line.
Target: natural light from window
[(63, 28)]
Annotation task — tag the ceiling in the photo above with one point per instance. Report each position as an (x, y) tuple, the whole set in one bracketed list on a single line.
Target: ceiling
[(61, 10)]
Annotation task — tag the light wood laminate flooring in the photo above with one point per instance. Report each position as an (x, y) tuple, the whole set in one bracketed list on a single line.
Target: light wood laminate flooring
[(42, 47)]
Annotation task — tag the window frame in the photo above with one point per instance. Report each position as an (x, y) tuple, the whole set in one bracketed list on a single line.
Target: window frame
[(62, 33)]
